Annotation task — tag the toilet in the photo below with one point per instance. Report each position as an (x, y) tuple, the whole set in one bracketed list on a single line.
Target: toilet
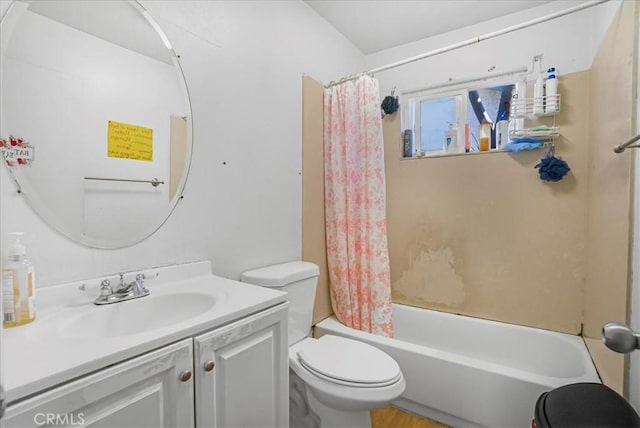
[(333, 381)]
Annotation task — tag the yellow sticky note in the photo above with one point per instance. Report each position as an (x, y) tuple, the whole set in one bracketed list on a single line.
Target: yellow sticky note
[(128, 141)]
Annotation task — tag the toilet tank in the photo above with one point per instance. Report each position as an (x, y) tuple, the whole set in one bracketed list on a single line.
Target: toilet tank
[(299, 279)]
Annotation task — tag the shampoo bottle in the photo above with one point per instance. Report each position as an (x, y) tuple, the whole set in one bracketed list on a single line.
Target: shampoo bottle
[(552, 91), (18, 285)]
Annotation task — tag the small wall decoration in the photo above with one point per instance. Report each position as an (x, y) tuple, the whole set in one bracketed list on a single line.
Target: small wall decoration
[(16, 151), (128, 141)]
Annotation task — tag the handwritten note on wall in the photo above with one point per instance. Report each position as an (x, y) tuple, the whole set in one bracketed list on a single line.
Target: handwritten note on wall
[(129, 141)]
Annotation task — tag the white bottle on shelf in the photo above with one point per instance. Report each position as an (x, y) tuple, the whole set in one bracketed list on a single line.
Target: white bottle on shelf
[(502, 131), (551, 104), (552, 94), (538, 95)]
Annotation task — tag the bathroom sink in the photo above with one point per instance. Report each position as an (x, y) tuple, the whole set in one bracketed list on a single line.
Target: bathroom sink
[(137, 316)]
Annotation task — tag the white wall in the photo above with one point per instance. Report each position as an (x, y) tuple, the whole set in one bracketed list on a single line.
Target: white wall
[(243, 62), (569, 43)]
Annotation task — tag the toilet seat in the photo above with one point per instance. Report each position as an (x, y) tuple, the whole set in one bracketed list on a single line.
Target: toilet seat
[(348, 362)]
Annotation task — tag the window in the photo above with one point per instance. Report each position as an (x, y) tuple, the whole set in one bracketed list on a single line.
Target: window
[(436, 115), (439, 119)]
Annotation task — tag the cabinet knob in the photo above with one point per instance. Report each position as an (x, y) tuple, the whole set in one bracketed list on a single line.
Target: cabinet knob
[(185, 375), (208, 366)]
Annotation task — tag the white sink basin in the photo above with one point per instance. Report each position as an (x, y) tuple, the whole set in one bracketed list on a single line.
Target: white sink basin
[(137, 316)]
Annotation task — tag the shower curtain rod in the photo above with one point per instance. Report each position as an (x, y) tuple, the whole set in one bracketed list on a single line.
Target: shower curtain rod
[(468, 42)]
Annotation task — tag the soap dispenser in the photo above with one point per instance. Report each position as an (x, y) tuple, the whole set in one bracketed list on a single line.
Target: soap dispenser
[(18, 285), (451, 139)]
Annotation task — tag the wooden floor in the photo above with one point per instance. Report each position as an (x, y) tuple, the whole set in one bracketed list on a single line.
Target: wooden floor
[(391, 417)]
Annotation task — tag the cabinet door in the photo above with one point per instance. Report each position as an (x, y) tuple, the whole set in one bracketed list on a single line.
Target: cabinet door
[(242, 373), (146, 391)]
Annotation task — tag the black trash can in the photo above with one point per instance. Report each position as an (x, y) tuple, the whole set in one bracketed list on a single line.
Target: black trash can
[(584, 405)]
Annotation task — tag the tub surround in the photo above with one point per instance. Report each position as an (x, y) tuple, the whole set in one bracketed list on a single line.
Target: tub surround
[(473, 244), (68, 357)]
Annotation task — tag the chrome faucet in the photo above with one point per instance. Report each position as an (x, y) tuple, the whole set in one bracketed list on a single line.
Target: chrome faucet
[(133, 290)]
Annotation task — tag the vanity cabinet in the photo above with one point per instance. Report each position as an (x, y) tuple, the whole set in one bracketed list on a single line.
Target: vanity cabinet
[(147, 391), (242, 373), (232, 376)]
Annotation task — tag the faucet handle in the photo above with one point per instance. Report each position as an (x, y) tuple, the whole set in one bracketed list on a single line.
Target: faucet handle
[(105, 287), (141, 277), (150, 275)]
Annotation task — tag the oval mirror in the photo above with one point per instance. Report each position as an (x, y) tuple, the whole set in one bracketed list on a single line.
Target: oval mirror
[(95, 124)]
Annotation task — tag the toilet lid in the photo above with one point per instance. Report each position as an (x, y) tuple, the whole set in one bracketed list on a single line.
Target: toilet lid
[(348, 361)]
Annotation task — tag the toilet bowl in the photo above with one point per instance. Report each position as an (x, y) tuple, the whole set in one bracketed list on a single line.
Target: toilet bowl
[(346, 374), (334, 381), (341, 380)]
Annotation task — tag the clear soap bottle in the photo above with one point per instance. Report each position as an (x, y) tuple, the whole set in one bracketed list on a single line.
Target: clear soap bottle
[(451, 139), (18, 285)]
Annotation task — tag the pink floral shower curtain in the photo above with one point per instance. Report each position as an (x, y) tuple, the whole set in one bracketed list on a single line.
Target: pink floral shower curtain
[(355, 201)]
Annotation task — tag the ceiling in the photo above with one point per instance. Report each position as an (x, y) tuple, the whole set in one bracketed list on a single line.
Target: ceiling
[(374, 25)]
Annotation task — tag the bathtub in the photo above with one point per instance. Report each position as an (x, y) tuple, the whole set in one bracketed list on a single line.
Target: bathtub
[(469, 372)]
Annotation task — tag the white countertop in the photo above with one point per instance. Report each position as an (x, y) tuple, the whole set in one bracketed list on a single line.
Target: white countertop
[(43, 354)]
